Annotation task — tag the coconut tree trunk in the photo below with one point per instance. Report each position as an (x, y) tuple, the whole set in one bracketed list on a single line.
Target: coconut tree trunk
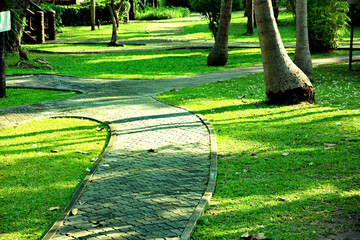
[(302, 56), (218, 55), (114, 14), (93, 17), (250, 15), (285, 82)]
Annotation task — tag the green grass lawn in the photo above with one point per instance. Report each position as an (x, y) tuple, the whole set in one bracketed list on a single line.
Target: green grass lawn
[(35, 179), (157, 64), (39, 165), (290, 172), (20, 96), (192, 28)]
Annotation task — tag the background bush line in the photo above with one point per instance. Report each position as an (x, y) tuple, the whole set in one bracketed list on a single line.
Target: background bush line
[(79, 15)]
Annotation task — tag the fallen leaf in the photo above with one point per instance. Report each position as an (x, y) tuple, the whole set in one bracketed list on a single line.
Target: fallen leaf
[(245, 235), (153, 151), (285, 154), (94, 159), (338, 123), (311, 164), (73, 212), (87, 169), (82, 152), (329, 145), (54, 208), (34, 145), (259, 236), (56, 151), (283, 199), (100, 129)]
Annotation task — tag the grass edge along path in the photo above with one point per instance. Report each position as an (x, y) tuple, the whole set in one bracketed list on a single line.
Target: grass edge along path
[(42, 163), (290, 172), (23, 96)]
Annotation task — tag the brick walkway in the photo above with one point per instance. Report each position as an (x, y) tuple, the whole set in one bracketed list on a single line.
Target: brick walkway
[(134, 193)]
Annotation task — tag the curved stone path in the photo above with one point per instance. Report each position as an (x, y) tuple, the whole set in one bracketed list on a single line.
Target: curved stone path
[(134, 193)]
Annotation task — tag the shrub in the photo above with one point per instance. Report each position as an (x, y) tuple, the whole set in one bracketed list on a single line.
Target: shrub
[(79, 15), (326, 19), (162, 13), (178, 3)]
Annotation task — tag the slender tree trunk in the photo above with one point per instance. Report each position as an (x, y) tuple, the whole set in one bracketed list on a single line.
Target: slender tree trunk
[(302, 56), (93, 17), (285, 82), (250, 15), (2, 66), (114, 13), (219, 53)]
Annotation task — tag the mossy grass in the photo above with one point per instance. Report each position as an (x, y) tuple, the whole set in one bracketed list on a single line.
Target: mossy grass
[(21, 96), (291, 172), (40, 169)]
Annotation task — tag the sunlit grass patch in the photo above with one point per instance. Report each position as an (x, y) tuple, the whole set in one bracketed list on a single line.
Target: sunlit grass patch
[(40, 168), (18, 96), (291, 172)]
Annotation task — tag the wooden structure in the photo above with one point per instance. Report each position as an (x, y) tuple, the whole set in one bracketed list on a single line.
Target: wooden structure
[(40, 25)]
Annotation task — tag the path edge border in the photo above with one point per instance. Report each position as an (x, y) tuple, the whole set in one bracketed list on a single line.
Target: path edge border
[(51, 232), (205, 199)]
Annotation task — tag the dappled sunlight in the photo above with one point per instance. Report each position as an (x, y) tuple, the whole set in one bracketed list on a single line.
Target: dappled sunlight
[(290, 172), (40, 168)]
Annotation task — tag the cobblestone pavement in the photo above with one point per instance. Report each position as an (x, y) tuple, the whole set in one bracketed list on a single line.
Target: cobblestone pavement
[(134, 193)]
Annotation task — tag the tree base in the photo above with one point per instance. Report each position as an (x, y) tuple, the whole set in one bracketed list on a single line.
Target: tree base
[(292, 96), (112, 44), (217, 59)]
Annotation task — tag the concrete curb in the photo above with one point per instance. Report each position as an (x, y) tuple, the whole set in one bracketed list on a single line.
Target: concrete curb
[(84, 183), (205, 199)]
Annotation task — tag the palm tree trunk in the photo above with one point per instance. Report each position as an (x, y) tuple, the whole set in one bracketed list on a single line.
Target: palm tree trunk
[(218, 55), (302, 56), (285, 82)]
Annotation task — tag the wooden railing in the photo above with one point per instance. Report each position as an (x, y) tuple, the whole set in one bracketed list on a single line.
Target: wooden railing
[(40, 24)]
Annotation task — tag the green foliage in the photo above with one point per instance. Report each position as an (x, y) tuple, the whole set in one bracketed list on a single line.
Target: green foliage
[(162, 13), (210, 9), (178, 3), (79, 15), (327, 19)]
